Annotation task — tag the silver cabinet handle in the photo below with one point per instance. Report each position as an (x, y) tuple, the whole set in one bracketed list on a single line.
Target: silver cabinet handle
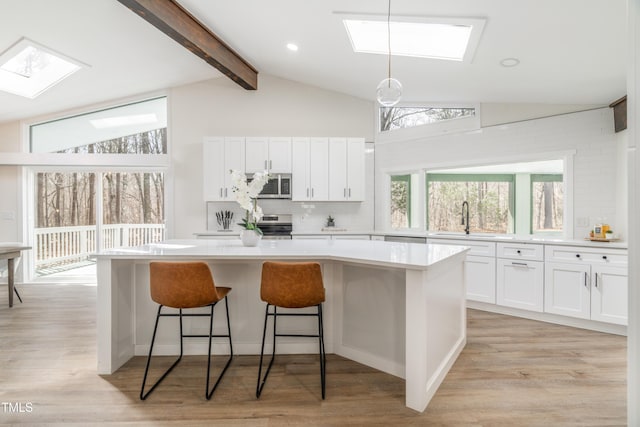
[(265, 164), (521, 264), (270, 164), (307, 192), (596, 280), (225, 193), (585, 281), (349, 192), (312, 192), (220, 191), (344, 193)]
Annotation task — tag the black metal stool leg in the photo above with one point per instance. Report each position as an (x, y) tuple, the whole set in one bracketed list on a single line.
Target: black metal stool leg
[(209, 393), (323, 361), (17, 294), (144, 395), (262, 381)]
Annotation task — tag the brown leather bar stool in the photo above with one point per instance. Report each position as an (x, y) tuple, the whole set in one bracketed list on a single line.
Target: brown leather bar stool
[(291, 285), (184, 285)]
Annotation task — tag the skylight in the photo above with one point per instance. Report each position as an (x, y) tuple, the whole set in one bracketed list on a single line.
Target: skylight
[(437, 38), (28, 69)]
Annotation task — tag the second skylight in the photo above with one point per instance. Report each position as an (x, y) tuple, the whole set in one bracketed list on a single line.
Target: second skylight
[(437, 38)]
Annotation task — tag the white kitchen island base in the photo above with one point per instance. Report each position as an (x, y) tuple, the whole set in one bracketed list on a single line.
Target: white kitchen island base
[(397, 307)]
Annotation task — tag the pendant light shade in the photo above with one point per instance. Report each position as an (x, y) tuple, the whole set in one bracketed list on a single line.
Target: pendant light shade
[(389, 90)]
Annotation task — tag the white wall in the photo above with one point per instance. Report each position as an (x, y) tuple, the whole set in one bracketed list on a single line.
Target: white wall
[(279, 107), (10, 202), (590, 134)]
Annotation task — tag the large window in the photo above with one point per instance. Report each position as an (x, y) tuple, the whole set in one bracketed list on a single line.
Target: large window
[(490, 197), (547, 203)]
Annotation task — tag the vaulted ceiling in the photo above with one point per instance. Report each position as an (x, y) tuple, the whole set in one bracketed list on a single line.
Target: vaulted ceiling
[(570, 51)]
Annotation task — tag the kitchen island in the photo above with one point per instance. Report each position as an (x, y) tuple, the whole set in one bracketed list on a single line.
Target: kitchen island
[(397, 307)]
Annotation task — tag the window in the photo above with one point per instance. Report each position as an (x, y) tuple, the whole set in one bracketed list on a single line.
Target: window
[(491, 199), (137, 128), (547, 202), (401, 201), (392, 118)]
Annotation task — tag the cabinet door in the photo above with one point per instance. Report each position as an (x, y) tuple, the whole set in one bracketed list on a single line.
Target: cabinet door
[(338, 169), (279, 155), (319, 169), (609, 294), (355, 169), (257, 154), (567, 289), (480, 278), (213, 169), (300, 170), (234, 158), (520, 284)]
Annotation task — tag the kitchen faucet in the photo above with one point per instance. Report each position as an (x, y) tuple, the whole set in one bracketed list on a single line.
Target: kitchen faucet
[(465, 223)]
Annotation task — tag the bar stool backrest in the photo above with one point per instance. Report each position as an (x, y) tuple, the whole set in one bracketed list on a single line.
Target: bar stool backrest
[(292, 284), (182, 284)]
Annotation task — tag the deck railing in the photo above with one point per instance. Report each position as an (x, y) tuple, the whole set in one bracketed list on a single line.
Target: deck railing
[(69, 245)]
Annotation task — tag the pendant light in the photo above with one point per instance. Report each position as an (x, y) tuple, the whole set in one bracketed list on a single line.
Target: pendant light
[(389, 90)]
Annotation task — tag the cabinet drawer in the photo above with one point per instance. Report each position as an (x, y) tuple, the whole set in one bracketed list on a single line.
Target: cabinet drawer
[(615, 257), (477, 248), (520, 251)]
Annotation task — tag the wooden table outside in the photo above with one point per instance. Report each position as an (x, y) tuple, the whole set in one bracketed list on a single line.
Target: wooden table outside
[(10, 251)]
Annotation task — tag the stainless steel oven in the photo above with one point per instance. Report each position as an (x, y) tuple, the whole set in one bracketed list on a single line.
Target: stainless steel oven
[(276, 226), (278, 187)]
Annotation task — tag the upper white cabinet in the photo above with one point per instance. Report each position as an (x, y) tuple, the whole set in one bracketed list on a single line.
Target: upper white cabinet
[(346, 169), (219, 156), (587, 283), (310, 169), (271, 154)]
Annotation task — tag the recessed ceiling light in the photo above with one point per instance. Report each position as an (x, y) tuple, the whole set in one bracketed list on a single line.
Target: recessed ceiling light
[(509, 62), (28, 69), (292, 47), (425, 37)]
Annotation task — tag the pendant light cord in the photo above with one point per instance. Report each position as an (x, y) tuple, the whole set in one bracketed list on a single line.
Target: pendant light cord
[(389, 39)]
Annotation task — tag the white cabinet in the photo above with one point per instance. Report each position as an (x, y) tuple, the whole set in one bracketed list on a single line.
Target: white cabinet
[(479, 268), (272, 154), (346, 169), (219, 156), (520, 276), (310, 169), (587, 283)]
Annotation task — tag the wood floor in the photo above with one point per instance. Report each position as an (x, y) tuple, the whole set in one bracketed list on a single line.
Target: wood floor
[(513, 372)]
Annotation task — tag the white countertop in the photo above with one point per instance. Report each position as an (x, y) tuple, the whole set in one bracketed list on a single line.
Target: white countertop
[(379, 253)]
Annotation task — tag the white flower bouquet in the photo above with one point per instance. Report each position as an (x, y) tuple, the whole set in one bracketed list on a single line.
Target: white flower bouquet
[(246, 192)]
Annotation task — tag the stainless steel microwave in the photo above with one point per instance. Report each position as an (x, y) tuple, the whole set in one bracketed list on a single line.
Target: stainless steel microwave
[(277, 187)]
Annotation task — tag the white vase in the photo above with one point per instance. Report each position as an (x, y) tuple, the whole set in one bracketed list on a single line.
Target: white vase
[(250, 237)]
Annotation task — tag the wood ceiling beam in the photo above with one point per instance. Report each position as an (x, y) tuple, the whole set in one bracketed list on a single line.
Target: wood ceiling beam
[(173, 20)]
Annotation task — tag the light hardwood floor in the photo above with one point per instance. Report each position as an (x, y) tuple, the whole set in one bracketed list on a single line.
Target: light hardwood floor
[(513, 372)]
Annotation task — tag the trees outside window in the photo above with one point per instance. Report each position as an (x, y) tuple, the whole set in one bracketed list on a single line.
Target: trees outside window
[(392, 118), (547, 202)]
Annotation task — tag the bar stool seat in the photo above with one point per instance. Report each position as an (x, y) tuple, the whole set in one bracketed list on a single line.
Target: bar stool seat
[(291, 285), (185, 285)]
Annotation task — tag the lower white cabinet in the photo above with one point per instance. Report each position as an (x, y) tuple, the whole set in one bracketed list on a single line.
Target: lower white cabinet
[(479, 268), (520, 284), (520, 276), (593, 285)]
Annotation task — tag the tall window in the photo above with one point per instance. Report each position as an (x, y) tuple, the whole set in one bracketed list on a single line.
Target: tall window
[(547, 201), (401, 201), (491, 199), (70, 223)]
